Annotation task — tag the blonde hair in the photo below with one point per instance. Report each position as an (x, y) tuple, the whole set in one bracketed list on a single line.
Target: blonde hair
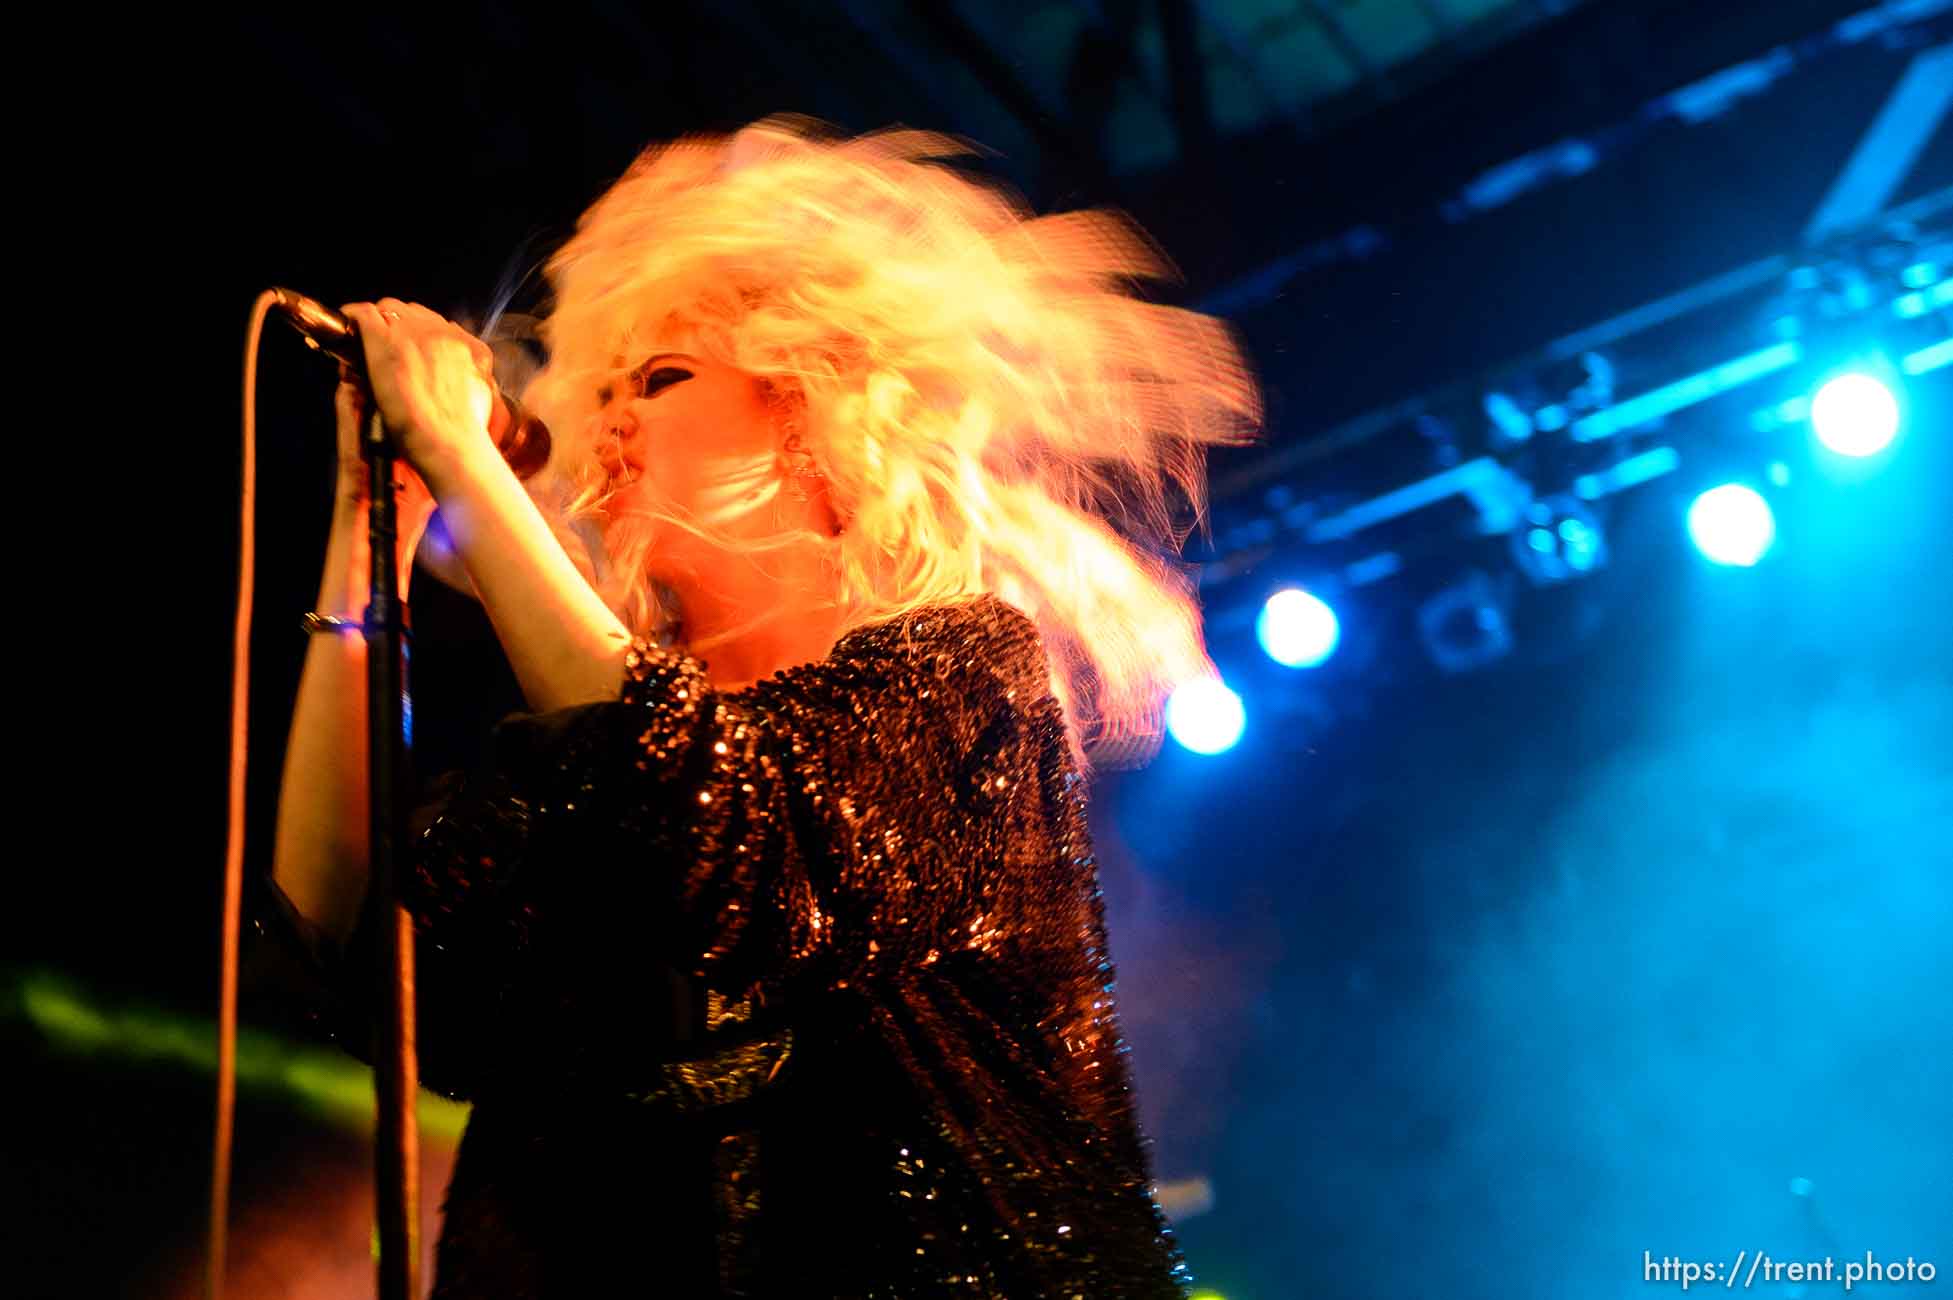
[(991, 408)]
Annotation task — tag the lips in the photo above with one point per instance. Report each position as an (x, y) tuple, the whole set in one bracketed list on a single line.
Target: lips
[(610, 454)]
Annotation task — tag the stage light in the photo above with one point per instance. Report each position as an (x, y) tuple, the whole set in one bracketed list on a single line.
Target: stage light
[(1509, 420), (1464, 627), (1558, 538), (1732, 524), (1855, 415), (1205, 716), (1297, 629)]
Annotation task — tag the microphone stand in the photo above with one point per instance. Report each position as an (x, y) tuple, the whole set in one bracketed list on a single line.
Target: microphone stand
[(396, 1076), (525, 443)]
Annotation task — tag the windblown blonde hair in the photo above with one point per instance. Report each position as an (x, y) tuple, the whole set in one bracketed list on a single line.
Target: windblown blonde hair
[(992, 410)]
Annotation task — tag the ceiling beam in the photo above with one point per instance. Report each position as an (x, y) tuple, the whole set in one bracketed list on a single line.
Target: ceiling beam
[(1214, 16), (1890, 145), (1055, 135), (901, 57), (1193, 115), (1436, 17), (1369, 75)]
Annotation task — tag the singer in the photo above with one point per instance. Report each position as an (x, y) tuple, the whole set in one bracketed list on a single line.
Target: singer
[(768, 945)]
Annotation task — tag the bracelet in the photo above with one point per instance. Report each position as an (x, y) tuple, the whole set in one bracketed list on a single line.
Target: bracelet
[(315, 622)]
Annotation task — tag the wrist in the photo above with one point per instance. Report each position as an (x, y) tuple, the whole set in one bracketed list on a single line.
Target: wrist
[(451, 465)]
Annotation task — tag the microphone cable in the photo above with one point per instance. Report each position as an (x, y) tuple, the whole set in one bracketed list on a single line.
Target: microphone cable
[(220, 1156)]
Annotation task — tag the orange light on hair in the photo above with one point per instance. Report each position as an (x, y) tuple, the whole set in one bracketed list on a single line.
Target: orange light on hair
[(992, 408)]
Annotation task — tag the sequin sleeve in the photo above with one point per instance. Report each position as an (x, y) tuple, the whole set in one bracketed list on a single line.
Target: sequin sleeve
[(840, 820), (831, 822)]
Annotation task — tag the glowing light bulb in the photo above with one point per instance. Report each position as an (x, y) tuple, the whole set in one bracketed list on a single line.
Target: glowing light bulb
[(1855, 415), (1205, 716), (1732, 524), (1297, 629)]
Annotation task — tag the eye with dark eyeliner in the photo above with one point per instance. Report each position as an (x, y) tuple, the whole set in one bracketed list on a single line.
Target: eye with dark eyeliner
[(647, 383)]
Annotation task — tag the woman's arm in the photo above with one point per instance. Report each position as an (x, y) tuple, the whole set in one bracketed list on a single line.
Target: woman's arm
[(565, 645), (563, 642), (321, 846)]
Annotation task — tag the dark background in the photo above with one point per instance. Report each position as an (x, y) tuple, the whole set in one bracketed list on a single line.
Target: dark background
[(1472, 986)]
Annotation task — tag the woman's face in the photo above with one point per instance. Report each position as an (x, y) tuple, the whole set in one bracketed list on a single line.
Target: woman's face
[(691, 436)]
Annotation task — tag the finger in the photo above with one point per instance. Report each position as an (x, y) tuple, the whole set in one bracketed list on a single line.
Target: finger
[(377, 318), (349, 400), (366, 317), (401, 308), (354, 377), (375, 334)]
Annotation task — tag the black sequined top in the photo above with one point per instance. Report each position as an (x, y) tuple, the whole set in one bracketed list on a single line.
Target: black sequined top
[(798, 991)]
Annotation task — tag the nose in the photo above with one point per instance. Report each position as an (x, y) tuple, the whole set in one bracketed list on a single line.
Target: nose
[(617, 429)]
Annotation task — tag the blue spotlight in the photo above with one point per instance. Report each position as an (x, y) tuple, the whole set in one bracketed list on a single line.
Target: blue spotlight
[(1732, 525), (1205, 716), (1297, 629), (1855, 415), (1558, 538)]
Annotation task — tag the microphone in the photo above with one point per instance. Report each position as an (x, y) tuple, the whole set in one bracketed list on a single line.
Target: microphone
[(523, 439)]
